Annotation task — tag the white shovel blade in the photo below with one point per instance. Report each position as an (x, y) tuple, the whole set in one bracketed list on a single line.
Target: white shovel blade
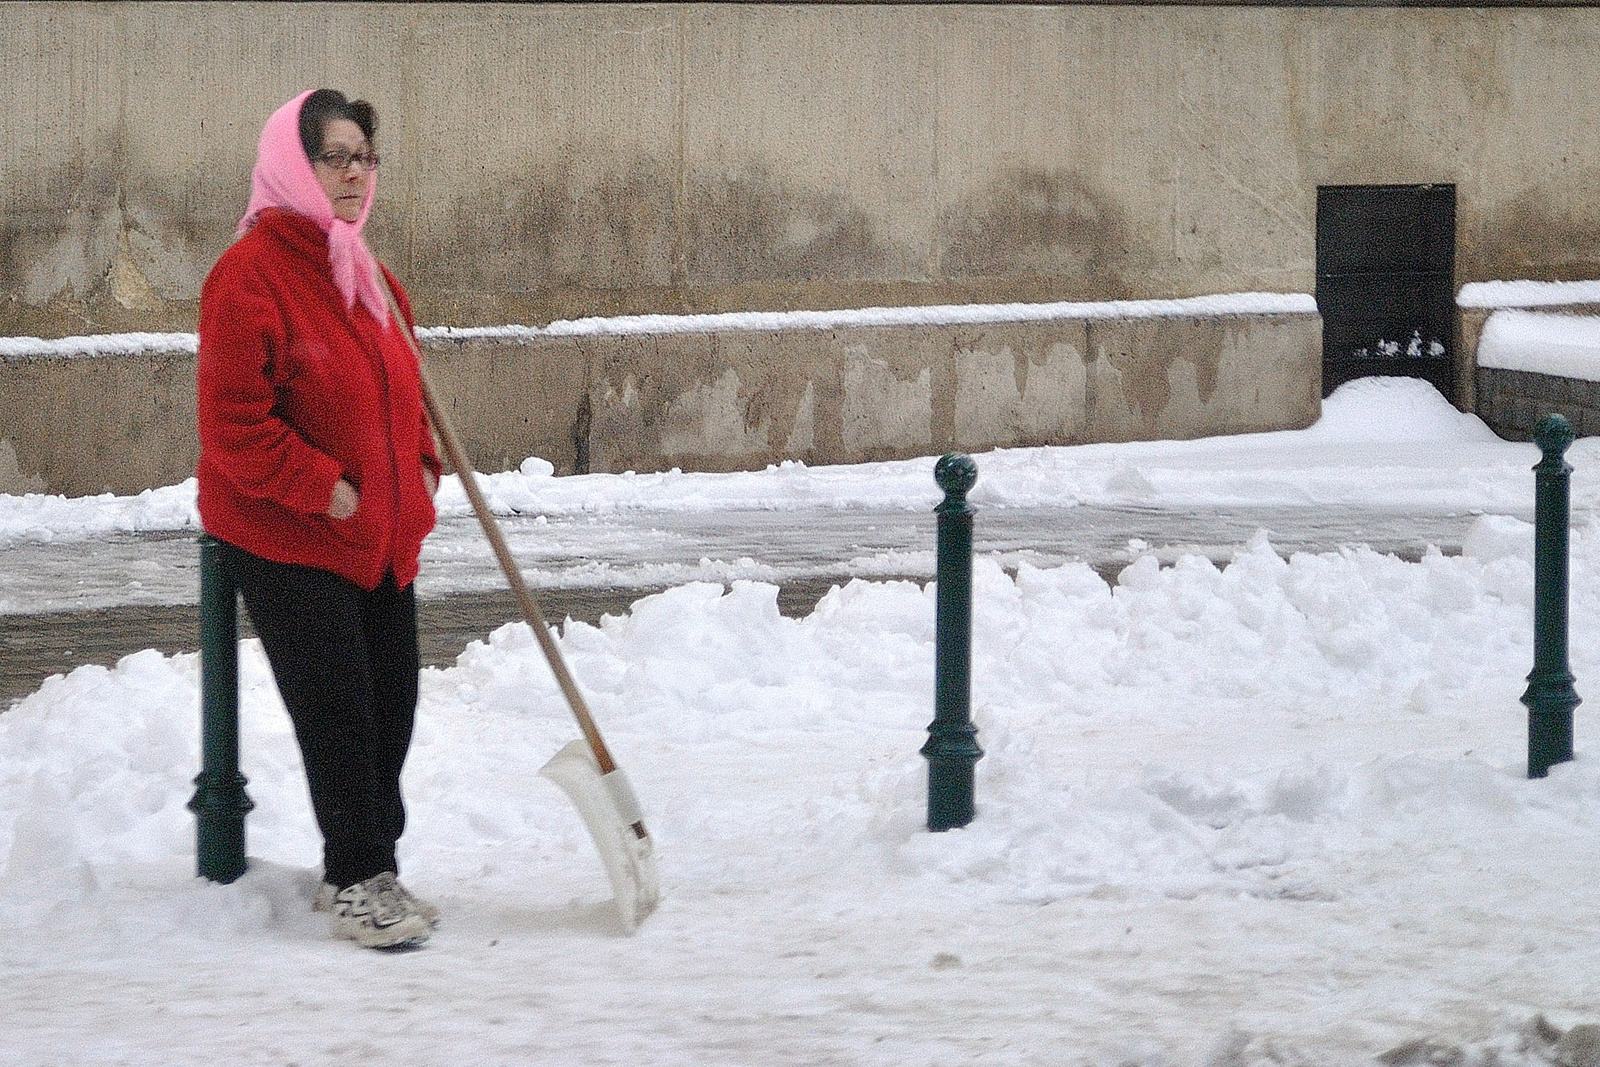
[(629, 859)]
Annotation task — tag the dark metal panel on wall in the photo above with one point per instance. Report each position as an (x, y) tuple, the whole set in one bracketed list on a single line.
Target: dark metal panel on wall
[(1386, 282)]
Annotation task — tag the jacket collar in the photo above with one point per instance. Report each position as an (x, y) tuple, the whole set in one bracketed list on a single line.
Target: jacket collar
[(300, 233)]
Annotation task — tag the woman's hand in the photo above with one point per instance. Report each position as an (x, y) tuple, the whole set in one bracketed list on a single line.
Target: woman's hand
[(345, 500), (430, 481)]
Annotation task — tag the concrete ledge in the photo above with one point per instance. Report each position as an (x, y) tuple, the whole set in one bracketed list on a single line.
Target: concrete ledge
[(113, 423), (731, 393), (1537, 350), (1478, 300)]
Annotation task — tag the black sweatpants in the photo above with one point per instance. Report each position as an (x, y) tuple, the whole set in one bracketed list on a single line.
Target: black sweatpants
[(346, 665)]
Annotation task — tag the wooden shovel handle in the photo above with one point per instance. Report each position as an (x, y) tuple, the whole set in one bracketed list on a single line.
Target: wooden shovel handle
[(491, 529)]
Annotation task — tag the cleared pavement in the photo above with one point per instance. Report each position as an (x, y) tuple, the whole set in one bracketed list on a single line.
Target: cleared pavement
[(64, 604)]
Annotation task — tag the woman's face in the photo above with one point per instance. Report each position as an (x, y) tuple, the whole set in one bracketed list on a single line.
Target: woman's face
[(346, 186)]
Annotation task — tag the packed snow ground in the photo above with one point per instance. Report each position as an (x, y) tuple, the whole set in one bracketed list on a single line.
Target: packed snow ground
[(1272, 813)]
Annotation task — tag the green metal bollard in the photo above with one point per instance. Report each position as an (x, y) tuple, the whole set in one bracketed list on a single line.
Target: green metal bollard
[(952, 746), (219, 800), (1550, 696)]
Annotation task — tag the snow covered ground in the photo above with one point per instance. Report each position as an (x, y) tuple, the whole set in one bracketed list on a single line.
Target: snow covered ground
[(1269, 813)]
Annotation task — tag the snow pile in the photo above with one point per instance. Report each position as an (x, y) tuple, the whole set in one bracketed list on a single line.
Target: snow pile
[(1567, 346), (1270, 812), (44, 517), (1394, 411)]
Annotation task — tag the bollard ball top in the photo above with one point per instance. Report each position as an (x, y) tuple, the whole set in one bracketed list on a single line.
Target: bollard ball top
[(1553, 434), (956, 473)]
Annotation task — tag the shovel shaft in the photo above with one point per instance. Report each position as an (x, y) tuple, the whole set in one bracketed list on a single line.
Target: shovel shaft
[(519, 588), (457, 457)]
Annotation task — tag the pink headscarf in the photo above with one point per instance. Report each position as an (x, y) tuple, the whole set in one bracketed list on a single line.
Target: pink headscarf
[(283, 178)]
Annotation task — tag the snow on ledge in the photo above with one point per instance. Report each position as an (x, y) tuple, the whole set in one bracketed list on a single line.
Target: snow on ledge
[(1226, 304), (101, 344), (1565, 346), (1525, 294), (938, 315)]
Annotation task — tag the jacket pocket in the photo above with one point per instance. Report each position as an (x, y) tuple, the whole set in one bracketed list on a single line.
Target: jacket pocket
[(361, 530)]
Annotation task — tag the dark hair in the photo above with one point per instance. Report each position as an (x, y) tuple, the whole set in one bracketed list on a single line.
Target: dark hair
[(325, 105)]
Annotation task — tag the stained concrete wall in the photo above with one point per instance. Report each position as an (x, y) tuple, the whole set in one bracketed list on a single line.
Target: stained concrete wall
[(723, 401), (554, 160), (861, 394)]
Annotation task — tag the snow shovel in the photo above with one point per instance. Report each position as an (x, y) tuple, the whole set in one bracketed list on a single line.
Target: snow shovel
[(584, 768)]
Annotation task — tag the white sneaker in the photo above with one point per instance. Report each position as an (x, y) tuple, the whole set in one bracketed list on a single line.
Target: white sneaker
[(378, 914), (326, 891)]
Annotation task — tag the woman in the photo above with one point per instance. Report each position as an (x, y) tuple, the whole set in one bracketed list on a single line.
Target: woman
[(317, 471)]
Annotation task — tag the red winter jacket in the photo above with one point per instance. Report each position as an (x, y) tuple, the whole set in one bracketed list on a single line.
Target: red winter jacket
[(297, 391)]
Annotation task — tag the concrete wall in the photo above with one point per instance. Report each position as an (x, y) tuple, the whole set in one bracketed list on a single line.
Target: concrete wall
[(1511, 402), (550, 160), (723, 401), (97, 423)]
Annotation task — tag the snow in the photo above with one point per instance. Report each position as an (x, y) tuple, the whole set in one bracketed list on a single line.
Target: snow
[(48, 517), (1273, 812), (1566, 346), (1220, 304), (1378, 439), (105, 344), (1527, 294)]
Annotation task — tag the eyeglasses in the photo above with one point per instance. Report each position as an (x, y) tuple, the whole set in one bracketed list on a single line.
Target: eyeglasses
[(339, 160)]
